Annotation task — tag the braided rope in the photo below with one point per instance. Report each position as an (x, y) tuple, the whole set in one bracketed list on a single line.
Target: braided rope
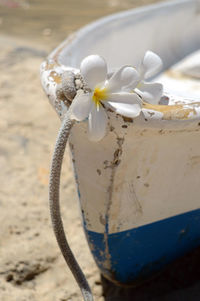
[(54, 187)]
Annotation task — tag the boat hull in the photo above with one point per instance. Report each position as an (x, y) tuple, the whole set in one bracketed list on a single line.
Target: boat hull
[(139, 187), (136, 254), (139, 196)]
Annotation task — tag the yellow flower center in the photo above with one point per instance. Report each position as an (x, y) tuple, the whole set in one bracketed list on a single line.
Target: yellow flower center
[(99, 95)]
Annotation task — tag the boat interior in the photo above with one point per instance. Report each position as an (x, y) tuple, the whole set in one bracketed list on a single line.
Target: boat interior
[(170, 29)]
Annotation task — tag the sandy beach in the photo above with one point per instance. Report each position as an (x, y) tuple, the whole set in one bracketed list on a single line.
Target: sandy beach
[(31, 266)]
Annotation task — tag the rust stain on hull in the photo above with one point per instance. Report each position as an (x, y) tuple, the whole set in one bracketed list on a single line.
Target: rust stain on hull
[(49, 66), (57, 78), (171, 112)]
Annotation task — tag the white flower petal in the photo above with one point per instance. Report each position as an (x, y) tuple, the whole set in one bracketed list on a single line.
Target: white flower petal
[(97, 123), (128, 110), (150, 92), (125, 76), (151, 64), (132, 86), (124, 98), (94, 70), (81, 106)]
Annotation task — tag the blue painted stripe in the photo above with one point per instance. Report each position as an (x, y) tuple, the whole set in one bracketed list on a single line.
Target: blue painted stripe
[(137, 253)]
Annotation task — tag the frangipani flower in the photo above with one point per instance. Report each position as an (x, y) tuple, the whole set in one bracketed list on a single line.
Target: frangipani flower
[(150, 66), (104, 92)]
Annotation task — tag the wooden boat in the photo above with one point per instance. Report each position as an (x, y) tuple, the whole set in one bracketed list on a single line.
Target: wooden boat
[(139, 186)]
